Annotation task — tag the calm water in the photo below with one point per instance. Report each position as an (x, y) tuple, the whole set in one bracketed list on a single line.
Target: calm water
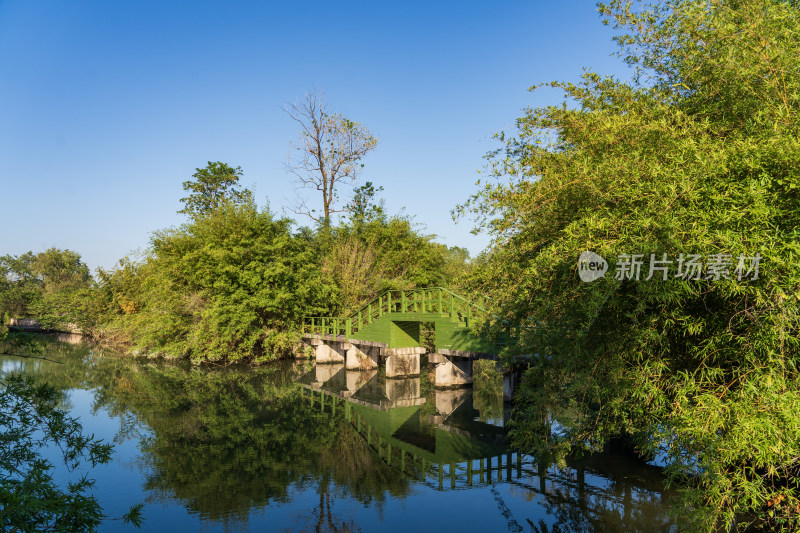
[(293, 447)]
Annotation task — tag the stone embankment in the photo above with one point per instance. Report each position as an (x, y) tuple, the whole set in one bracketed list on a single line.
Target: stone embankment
[(31, 325)]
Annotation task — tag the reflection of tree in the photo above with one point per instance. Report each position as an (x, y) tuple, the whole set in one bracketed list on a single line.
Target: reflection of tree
[(226, 440), (323, 518), (352, 464), (219, 447), (223, 444), (549, 417), (487, 395), (621, 497), (513, 525)]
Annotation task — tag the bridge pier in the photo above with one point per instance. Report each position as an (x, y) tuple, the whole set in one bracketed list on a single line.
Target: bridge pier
[(402, 362), (356, 354), (328, 354), (453, 367), (453, 373), (364, 358), (511, 379)]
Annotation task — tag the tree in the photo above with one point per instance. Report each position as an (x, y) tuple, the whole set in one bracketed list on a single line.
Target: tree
[(363, 207), (232, 285), (59, 269), (700, 157), (211, 187), (330, 153), (53, 286), (367, 258), (19, 285)]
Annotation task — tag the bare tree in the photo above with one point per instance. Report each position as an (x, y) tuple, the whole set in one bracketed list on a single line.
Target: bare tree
[(330, 152)]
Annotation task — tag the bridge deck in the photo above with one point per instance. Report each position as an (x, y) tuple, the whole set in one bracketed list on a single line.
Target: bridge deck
[(394, 319)]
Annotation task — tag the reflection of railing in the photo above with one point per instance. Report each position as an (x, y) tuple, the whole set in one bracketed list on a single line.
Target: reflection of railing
[(462, 474), (434, 300)]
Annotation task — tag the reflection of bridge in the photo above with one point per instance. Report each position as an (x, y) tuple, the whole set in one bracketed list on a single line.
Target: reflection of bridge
[(388, 331), (441, 444), (428, 441)]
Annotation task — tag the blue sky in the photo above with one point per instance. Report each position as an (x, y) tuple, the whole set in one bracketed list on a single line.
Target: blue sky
[(107, 107)]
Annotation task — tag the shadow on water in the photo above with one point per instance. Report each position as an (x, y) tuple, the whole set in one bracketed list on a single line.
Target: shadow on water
[(304, 442)]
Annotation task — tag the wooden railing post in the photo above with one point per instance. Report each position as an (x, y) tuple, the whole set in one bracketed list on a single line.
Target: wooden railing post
[(403, 301), (348, 328), (389, 303), (440, 301), (380, 305)]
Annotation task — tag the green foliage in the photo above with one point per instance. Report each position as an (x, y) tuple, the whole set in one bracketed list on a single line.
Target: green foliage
[(54, 286), (373, 252), (487, 389), (368, 257), (19, 287), (231, 284), (457, 265), (58, 269), (702, 157), (363, 207), (31, 420), (234, 283), (212, 187)]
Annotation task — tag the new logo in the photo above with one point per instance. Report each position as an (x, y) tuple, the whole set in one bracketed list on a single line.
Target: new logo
[(591, 266)]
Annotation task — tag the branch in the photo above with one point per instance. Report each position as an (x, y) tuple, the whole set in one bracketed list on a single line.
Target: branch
[(31, 357)]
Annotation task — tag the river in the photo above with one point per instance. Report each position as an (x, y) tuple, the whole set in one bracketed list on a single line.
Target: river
[(295, 447)]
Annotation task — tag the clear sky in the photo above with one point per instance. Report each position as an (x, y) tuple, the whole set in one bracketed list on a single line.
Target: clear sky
[(106, 107)]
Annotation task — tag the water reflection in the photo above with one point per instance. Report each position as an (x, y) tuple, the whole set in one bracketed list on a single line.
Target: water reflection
[(297, 444)]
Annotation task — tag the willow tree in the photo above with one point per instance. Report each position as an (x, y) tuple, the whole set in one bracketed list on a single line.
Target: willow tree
[(696, 160)]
